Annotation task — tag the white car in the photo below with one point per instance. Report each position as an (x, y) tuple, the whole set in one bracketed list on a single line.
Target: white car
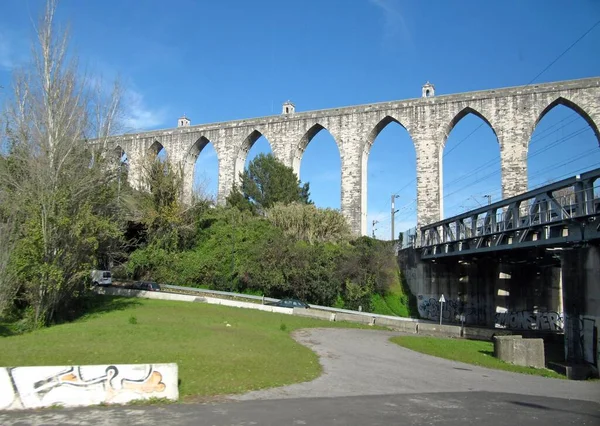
[(103, 278)]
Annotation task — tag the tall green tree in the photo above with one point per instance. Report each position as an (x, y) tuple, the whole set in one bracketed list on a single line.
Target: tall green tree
[(267, 181), (169, 222), (56, 185)]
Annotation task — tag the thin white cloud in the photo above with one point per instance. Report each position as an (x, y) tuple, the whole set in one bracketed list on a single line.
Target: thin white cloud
[(394, 25), (138, 116)]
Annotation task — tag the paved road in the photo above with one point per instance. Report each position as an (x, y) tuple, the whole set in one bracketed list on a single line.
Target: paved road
[(365, 362), (368, 381)]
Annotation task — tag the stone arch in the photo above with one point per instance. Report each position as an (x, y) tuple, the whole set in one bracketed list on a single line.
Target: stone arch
[(573, 106), (303, 144), (462, 114), (116, 153), (449, 127), (382, 124), (155, 148), (242, 152), (189, 165), (114, 157), (364, 158), (192, 154)]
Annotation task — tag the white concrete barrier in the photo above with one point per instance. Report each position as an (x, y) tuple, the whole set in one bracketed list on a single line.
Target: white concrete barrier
[(116, 291), (72, 386), (248, 305), (312, 313), (397, 324), (127, 292)]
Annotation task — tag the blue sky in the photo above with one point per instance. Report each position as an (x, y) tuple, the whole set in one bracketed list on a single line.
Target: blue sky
[(232, 59)]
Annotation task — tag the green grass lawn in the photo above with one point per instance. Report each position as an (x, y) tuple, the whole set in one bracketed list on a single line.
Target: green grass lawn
[(256, 351), (469, 351)]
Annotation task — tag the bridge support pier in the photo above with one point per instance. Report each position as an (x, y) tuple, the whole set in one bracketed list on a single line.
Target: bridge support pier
[(514, 140), (531, 292), (581, 295)]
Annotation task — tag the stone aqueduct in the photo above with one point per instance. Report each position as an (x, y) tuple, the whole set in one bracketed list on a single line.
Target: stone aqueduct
[(512, 113)]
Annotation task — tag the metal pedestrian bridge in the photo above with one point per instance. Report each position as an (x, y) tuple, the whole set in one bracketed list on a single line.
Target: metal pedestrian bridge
[(556, 215)]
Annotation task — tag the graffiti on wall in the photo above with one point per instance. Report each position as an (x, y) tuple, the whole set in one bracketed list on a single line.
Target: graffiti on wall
[(34, 387), (583, 338), (528, 320), (429, 308)]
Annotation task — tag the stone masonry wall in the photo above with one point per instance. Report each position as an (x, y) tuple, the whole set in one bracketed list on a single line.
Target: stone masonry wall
[(512, 113)]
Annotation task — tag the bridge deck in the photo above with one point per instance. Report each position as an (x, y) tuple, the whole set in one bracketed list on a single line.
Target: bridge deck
[(559, 214)]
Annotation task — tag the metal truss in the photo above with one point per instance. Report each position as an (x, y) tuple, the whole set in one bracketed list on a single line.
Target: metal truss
[(559, 214)]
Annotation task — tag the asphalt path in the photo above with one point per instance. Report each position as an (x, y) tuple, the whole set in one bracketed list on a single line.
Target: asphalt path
[(367, 380)]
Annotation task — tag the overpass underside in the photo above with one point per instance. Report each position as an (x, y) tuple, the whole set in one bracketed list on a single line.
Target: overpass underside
[(530, 263), (547, 292)]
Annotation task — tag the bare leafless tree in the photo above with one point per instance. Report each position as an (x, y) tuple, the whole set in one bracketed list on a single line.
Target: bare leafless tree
[(57, 181)]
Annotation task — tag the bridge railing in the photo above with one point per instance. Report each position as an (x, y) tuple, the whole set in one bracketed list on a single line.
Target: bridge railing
[(569, 199)]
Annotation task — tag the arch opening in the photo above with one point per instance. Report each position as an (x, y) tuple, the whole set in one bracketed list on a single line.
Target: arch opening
[(254, 144), (564, 143), (120, 162), (203, 164), (563, 102), (459, 117), (157, 152), (319, 156), (470, 162), (390, 176)]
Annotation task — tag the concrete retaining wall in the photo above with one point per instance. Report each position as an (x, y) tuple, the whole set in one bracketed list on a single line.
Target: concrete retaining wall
[(487, 334), (116, 291), (312, 313), (437, 330), (519, 351), (72, 386), (361, 319), (407, 325), (126, 292), (247, 305), (397, 324)]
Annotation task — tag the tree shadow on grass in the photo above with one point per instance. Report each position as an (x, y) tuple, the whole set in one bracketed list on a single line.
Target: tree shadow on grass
[(94, 305), (89, 306), (5, 331)]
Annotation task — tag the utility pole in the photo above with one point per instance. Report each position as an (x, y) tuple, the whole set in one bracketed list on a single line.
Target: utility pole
[(489, 197), (374, 222), (394, 211)]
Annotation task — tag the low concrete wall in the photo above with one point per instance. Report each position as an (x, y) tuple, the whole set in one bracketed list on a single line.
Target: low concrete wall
[(313, 313), (72, 386), (519, 351), (437, 330), (362, 319), (126, 292), (116, 291), (397, 324), (487, 334), (248, 305), (407, 325)]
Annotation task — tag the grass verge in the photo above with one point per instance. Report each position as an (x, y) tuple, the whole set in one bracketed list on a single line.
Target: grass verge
[(219, 350), (394, 303), (469, 351)]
